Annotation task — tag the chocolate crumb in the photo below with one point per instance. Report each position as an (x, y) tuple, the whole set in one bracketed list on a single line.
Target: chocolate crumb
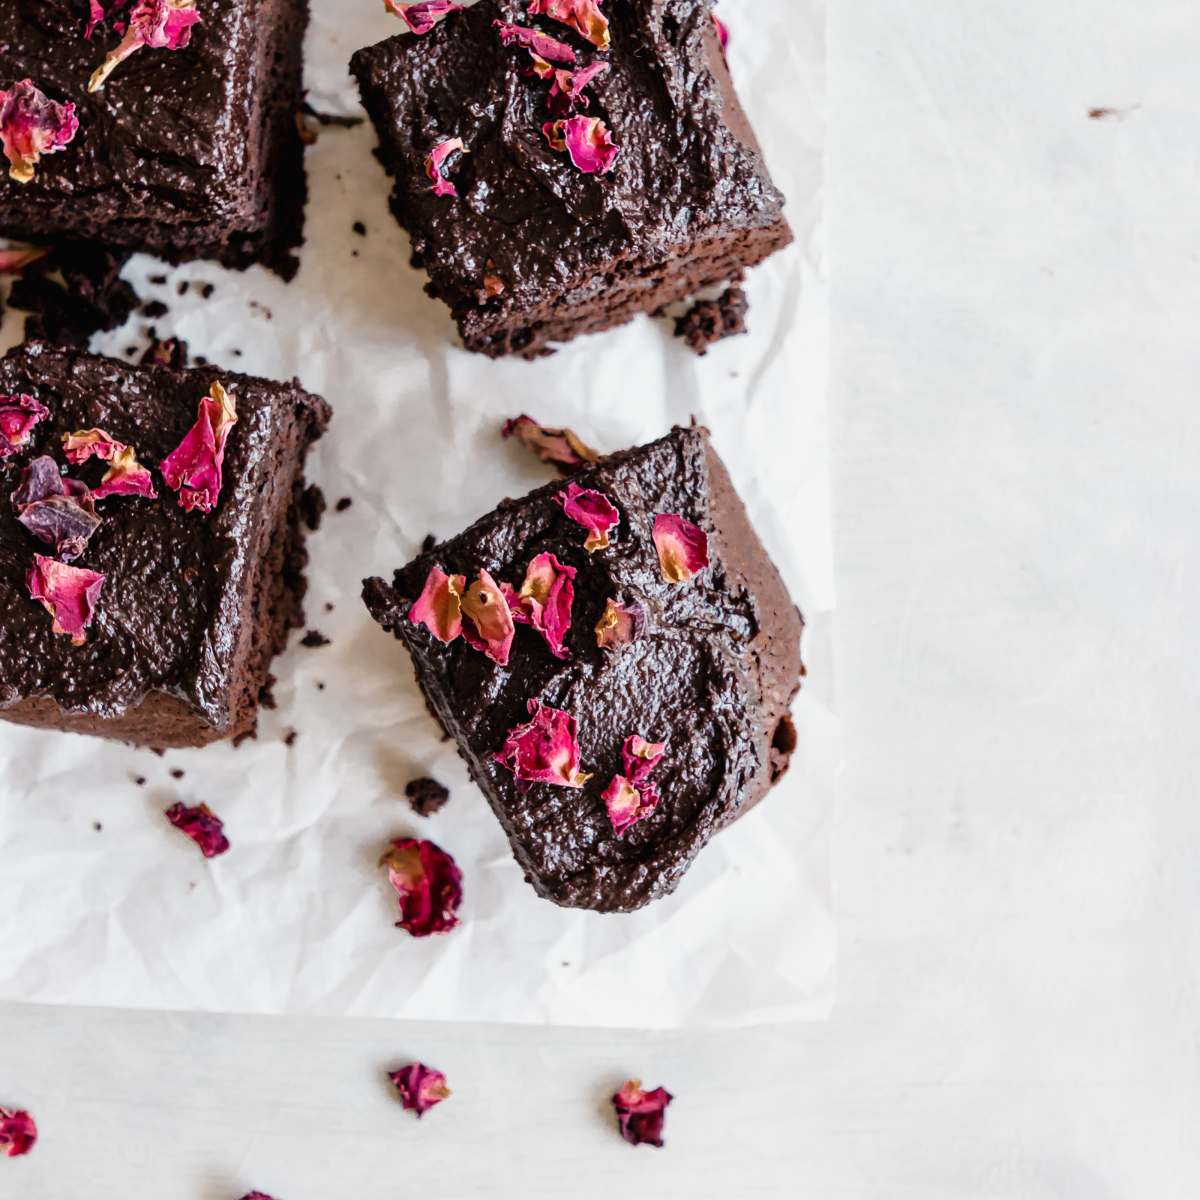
[(1098, 114), (354, 253), (155, 309), (417, 261), (244, 736), (131, 350), (314, 638), (343, 504), (200, 360), (190, 574), (140, 781), (312, 507), (328, 607), (176, 773), (290, 739), (426, 796), (207, 290), (159, 279), (182, 288), (359, 228), (97, 826), (709, 321), (238, 353), (320, 686), (428, 544)]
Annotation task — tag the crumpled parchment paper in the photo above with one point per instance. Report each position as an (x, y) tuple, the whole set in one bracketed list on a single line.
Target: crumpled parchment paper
[(106, 904)]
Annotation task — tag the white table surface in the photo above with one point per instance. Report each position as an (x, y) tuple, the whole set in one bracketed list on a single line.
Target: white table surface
[(1017, 425)]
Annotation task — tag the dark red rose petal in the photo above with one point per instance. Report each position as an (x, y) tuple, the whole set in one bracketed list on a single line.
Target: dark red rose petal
[(193, 468), (544, 751), (17, 1132), (641, 1114), (545, 600), (429, 885), (594, 511), (31, 124), (202, 825), (420, 1087), (433, 165), (18, 415)]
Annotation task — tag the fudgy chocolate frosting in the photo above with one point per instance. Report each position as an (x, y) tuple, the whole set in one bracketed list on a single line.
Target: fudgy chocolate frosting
[(170, 612), (174, 136), (681, 174), (712, 673)]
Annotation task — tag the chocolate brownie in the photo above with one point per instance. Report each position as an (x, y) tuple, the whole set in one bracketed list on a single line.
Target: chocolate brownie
[(531, 250), (193, 605), (184, 153), (709, 667)]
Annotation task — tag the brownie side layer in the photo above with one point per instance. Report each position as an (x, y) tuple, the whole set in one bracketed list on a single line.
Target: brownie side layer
[(185, 153), (193, 605), (713, 673), (688, 202)]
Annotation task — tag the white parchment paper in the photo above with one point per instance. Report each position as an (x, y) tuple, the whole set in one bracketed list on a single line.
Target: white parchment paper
[(106, 904)]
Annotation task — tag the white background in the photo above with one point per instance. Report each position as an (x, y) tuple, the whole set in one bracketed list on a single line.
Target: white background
[(1017, 504)]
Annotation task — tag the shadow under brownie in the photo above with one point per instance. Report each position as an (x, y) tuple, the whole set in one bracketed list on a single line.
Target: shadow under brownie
[(687, 205), (194, 605), (712, 672)]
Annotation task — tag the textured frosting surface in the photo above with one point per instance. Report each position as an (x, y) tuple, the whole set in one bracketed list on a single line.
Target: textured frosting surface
[(174, 136), (174, 601), (682, 173), (715, 668)]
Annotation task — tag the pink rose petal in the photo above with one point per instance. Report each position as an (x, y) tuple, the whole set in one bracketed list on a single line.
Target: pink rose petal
[(17, 1132), (682, 547), (68, 593), (583, 16), (641, 1114), (97, 14), (570, 84), (536, 43), (588, 142), (429, 884), (641, 757), (159, 24), (31, 124), (722, 32), (422, 17), (545, 600), (58, 511), (487, 619), (420, 1087), (13, 261), (18, 415), (559, 447), (544, 751), (433, 166), (628, 803), (439, 606), (594, 511), (193, 468), (202, 825), (617, 627), (84, 443), (257, 1196), (126, 477)]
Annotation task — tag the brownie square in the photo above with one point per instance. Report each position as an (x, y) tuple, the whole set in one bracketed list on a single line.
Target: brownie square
[(712, 672), (188, 153), (194, 605), (688, 203)]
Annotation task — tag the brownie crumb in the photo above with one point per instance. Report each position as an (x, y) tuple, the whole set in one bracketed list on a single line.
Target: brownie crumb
[(343, 504), (238, 353), (207, 289), (312, 507), (328, 606), (97, 826), (314, 638), (320, 686), (266, 693), (140, 781), (176, 773), (200, 360), (131, 350), (709, 321), (290, 739), (359, 228), (1098, 114), (426, 796), (182, 288), (244, 736), (155, 309), (417, 261), (428, 544), (159, 279)]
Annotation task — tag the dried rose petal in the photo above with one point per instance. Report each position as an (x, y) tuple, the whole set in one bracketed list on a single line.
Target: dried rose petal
[(640, 1114), (628, 803), (570, 84), (193, 468), (84, 443), (58, 511), (126, 477), (257, 1196), (420, 1087), (439, 606), (543, 751), (594, 511), (68, 593), (429, 884), (422, 17), (487, 619), (13, 261), (722, 32), (682, 547), (18, 415), (545, 600), (17, 1132), (159, 24), (588, 141), (641, 757), (617, 627), (31, 124), (560, 447), (98, 14), (536, 43), (433, 166), (202, 825), (583, 16)]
